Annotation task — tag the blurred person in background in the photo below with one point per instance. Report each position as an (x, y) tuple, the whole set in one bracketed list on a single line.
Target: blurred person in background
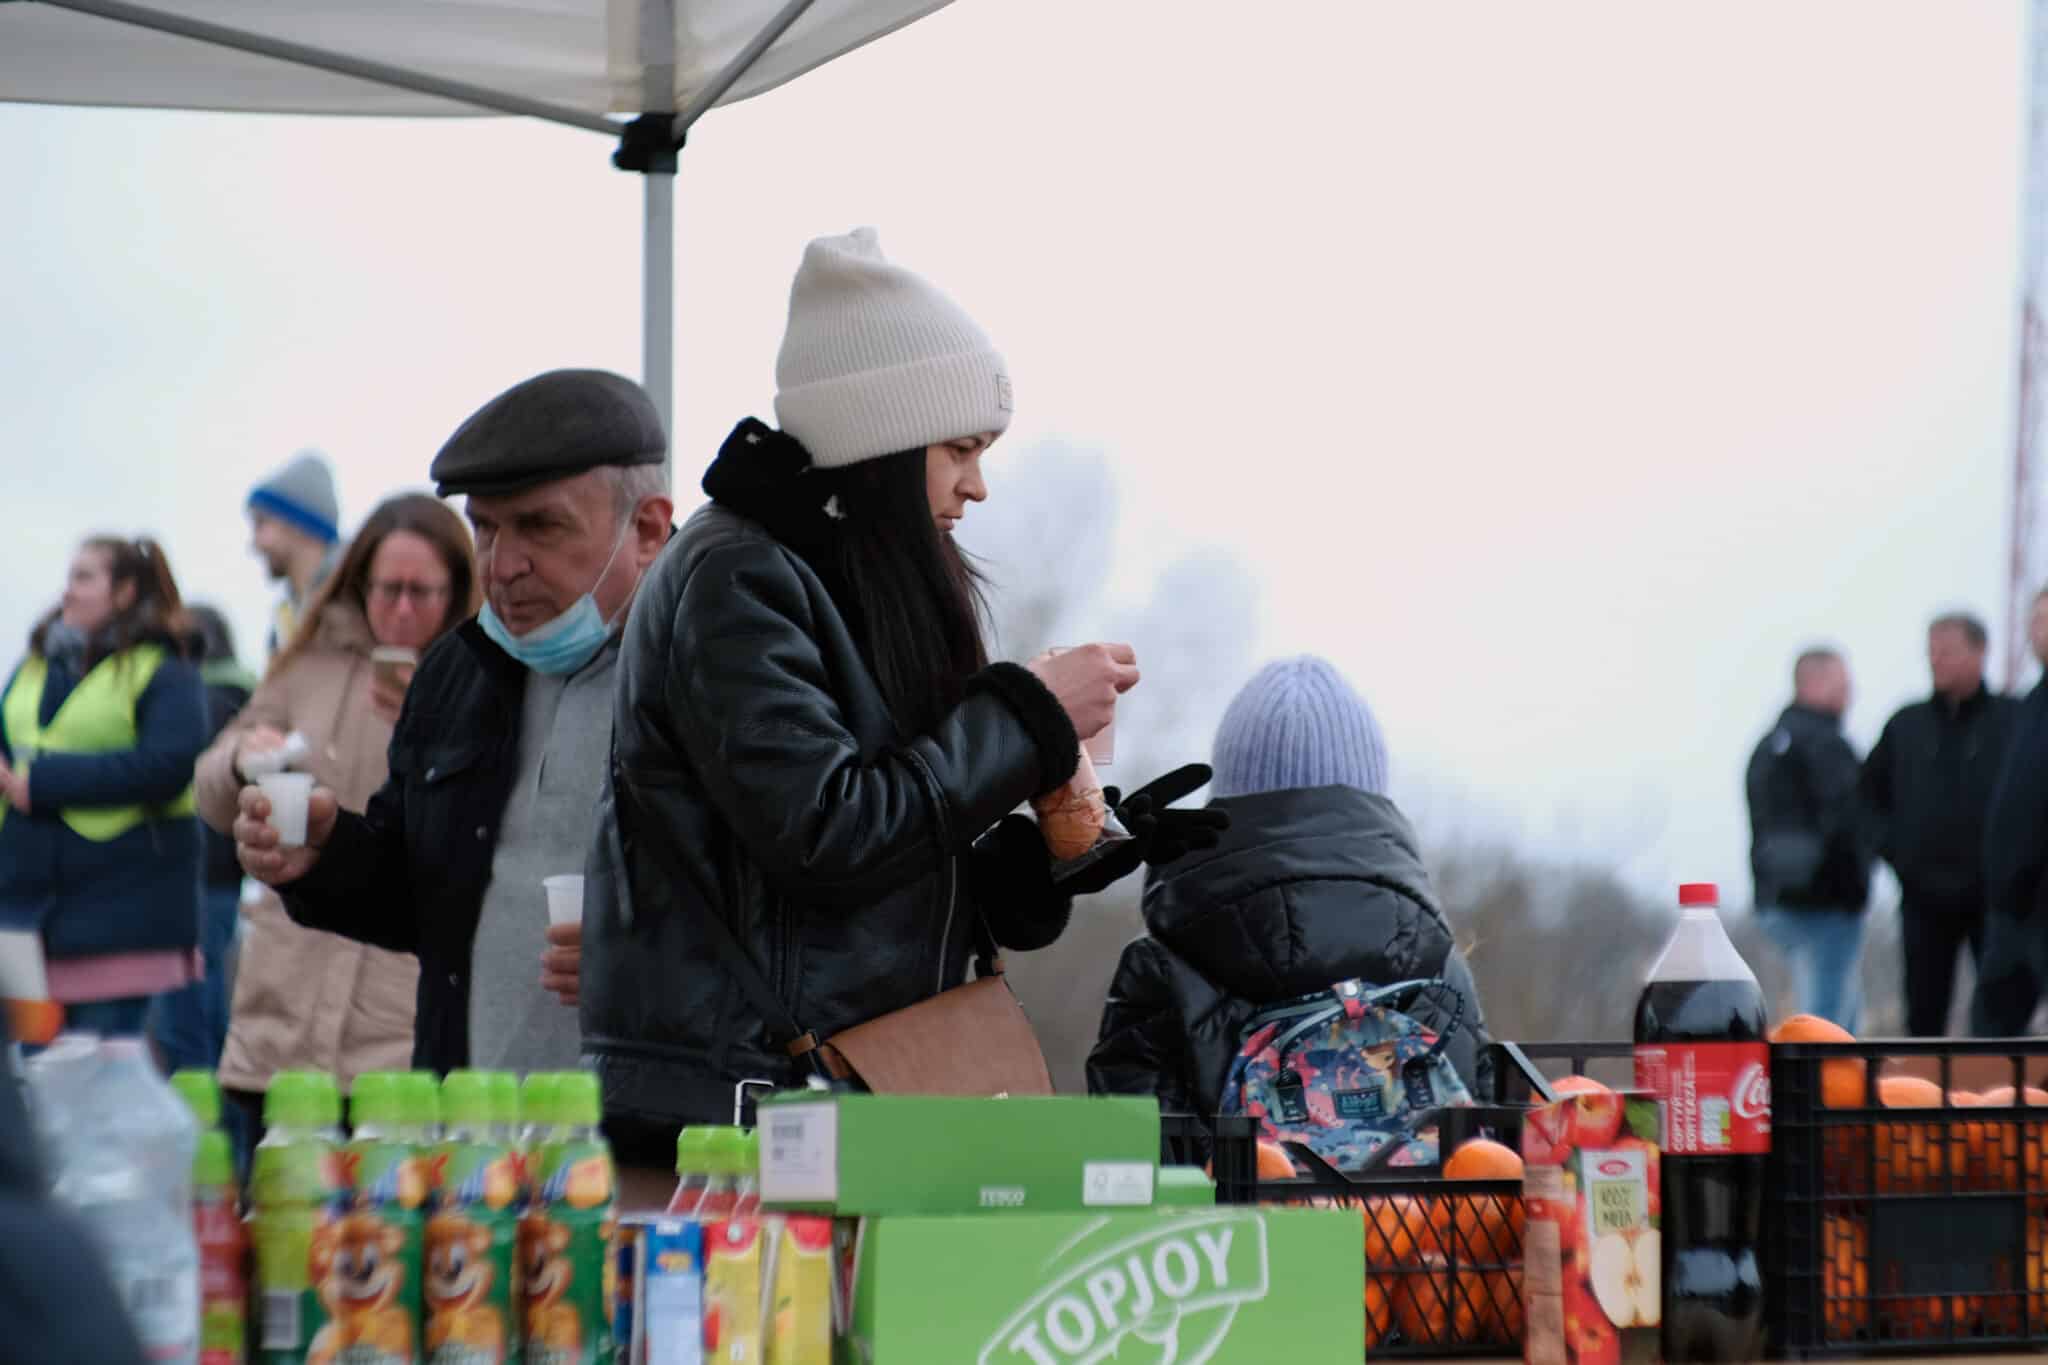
[(100, 850), (189, 1025), (2015, 958), (304, 998), (295, 528), (1318, 879), (500, 749), (1928, 785), (1810, 849)]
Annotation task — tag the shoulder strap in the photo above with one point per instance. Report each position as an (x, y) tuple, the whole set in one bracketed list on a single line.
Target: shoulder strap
[(797, 1041)]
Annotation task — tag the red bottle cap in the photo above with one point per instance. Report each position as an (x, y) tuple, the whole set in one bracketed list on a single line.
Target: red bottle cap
[(1699, 893)]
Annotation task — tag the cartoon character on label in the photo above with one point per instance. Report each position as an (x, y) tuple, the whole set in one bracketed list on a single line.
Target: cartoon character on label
[(462, 1324), (357, 1269)]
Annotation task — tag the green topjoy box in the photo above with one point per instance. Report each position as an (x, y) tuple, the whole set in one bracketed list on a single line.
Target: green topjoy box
[(1222, 1286), (891, 1154)]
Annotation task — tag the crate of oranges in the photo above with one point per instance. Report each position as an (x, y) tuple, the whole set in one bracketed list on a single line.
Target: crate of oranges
[(1909, 1189), (1443, 1244)]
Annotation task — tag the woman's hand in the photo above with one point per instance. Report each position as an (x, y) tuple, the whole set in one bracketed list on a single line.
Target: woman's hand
[(1086, 681), (387, 690), (13, 788), (259, 739)]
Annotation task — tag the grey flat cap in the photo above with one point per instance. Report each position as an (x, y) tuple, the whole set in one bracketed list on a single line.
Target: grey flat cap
[(553, 426)]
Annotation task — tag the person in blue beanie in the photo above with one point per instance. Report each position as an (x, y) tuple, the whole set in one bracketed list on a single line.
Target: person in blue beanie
[(294, 523), (1317, 879)]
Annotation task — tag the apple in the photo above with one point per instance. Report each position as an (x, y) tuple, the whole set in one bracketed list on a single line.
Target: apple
[(1625, 1275), (1594, 1119)]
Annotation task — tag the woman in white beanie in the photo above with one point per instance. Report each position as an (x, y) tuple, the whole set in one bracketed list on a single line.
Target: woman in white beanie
[(810, 738)]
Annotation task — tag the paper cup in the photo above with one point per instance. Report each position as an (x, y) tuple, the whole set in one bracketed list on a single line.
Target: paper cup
[(288, 793), (565, 898), (388, 661)]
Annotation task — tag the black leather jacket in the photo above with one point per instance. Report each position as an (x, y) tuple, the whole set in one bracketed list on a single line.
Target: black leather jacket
[(1811, 846), (1928, 784), (758, 776)]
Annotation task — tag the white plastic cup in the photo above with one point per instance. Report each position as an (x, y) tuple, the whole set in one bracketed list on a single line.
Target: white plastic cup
[(565, 898), (288, 794)]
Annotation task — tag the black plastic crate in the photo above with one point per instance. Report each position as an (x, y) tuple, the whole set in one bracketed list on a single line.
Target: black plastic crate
[(1516, 1067), (1443, 1257), (1894, 1228), (1232, 1143)]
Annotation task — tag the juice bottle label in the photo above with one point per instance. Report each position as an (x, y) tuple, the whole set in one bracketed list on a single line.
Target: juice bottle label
[(297, 1192), (372, 1287), (566, 1248), (472, 1256), (1715, 1097), (223, 1281)]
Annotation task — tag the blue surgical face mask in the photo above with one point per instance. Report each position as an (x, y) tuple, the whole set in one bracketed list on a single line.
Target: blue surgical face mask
[(563, 645)]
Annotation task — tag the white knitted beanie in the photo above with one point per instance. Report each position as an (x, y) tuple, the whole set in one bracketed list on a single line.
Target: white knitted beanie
[(876, 360)]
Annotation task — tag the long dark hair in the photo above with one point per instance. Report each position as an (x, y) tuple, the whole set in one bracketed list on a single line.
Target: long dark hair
[(426, 517), (156, 616), (913, 599)]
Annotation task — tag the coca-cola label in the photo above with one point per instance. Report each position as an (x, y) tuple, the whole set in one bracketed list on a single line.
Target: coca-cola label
[(1714, 1098)]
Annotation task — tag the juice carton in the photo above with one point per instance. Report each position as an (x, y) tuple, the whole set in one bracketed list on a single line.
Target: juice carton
[(669, 1328), (377, 1281), (626, 1298), (1592, 1277), (735, 1264), (571, 1282), (297, 1199), (800, 1308), (472, 1237)]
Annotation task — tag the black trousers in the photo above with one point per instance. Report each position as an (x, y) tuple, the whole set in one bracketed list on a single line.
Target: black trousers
[(2008, 977), (1932, 936)]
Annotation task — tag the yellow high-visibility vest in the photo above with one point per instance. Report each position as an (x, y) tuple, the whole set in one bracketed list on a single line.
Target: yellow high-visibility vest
[(97, 718)]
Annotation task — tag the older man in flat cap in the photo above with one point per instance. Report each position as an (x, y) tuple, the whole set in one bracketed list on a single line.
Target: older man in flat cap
[(501, 745)]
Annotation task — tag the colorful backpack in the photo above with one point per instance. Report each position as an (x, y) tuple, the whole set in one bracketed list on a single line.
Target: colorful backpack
[(1344, 1072)]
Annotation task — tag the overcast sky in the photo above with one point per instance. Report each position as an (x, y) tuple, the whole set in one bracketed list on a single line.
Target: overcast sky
[(1558, 370)]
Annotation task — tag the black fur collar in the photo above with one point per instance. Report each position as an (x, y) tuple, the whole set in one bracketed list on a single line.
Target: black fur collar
[(766, 476)]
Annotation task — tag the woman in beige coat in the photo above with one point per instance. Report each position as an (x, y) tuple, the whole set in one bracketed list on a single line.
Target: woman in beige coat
[(305, 998)]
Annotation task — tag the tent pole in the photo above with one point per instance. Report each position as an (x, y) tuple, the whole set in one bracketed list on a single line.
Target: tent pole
[(299, 54), (739, 66), (657, 336)]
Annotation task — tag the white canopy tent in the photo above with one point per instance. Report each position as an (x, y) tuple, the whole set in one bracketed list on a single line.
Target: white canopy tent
[(639, 71)]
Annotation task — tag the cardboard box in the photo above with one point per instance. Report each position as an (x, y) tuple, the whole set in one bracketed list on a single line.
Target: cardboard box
[(1591, 1263), (1223, 1286), (909, 1154)]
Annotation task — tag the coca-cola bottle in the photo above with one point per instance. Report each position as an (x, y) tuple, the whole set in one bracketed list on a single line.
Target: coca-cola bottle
[(1701, 1050)]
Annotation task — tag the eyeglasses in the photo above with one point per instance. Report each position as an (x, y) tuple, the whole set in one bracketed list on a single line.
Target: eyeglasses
[(424, 594)]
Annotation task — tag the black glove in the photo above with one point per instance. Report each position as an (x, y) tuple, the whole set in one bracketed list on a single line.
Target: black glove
[(1159, 835)]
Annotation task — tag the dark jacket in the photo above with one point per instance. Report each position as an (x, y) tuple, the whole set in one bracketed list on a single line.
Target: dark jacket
[(1928, 784), (2016, 825), (228, 687), (137, 892), (758, 777), (1810, 846), (1308, 888), (59, 1305), (409, 873)]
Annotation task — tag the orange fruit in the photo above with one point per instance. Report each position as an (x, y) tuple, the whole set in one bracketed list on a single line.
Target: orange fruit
[(1845, 1276), (1489, 1226), (1910, 1155), (1841, 1078), (1423, 1303), (1274, 1163), (1397, 1231), (1488, 1308), (1379, 1312)]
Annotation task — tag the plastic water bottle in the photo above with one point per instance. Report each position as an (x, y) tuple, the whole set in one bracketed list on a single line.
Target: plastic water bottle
[(124, 1165)]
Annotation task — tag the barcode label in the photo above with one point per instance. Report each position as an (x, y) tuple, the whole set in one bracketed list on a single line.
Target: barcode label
[(800, 1153), (281, 1323), (1116, 1183)]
